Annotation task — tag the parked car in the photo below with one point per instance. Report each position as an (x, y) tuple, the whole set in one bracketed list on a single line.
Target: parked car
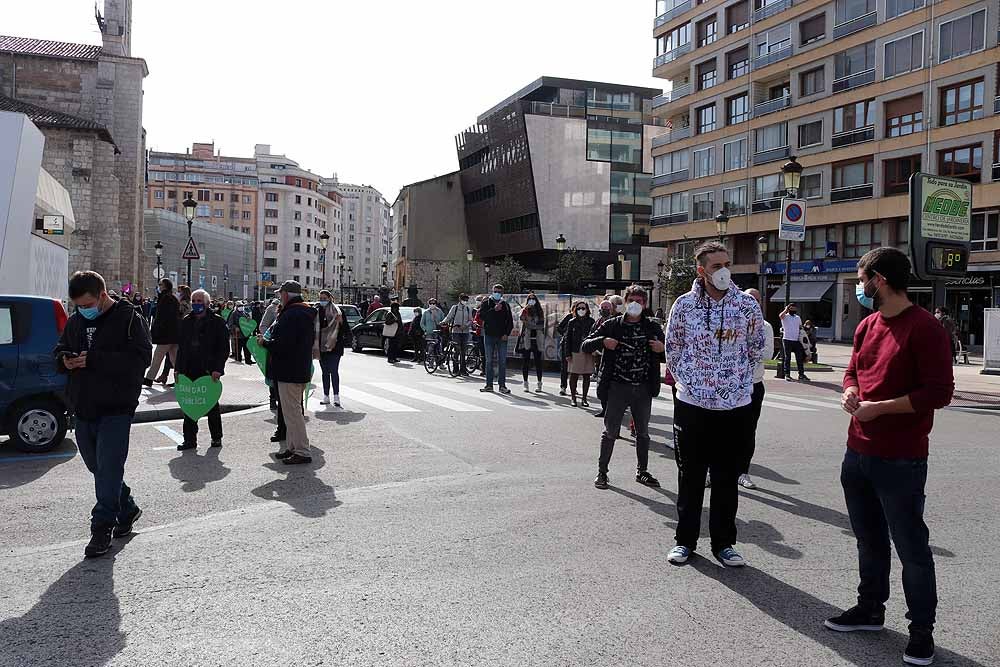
[(369, 332), (351, 314), (33, 408)]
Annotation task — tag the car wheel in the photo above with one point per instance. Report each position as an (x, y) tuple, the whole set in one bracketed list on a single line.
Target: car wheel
[(37, 425)]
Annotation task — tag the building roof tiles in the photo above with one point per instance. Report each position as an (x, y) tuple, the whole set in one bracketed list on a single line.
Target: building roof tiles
[(48, 48)]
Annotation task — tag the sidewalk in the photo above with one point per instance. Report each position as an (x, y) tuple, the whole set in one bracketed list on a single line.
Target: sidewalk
[(971, 388), (242, 387)]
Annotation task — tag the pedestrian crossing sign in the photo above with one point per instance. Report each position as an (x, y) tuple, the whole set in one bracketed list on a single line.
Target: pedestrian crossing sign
[(191, 250)]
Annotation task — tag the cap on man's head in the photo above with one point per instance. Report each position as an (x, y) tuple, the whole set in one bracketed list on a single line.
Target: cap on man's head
[(290, 287)]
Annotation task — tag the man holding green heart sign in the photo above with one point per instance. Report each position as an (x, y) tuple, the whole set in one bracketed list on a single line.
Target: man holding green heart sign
[(201, 359)]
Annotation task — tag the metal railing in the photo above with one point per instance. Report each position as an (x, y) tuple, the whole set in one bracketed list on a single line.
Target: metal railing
[(673, 95), (561, 110), (772, 155), (669, 219), (665, 58), (763, 205), (996, 104), (675, 134), (675, 11), (769, 10), (865, 191), (853, 137), (855, 24), (673, 177), (854, 80), (770, 106), (773, 57), (996, 172)]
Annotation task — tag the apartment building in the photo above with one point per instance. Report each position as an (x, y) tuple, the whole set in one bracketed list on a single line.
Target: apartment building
[(294, 212), (863, 93), (366, 238)]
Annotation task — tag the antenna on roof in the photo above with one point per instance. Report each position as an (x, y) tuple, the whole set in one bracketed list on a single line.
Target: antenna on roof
[(101, 23)]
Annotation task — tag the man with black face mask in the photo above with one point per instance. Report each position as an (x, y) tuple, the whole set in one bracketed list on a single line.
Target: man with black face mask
[(791, 328)]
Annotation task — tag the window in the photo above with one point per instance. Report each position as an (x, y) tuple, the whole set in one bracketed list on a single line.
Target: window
[(811, 82), (271, 262), (704, 207), (848, 10), (670, 204), (298, 199), (904, 116), (247, 215), (737, 17), (703, 162), (962, 102), (234, 198), (774, 40), (271, 245), (734, 200), (188, 195), (897, 174), (297, 247), (296, 264), (297, 215), (670, 163), (309, 233), (771, 137), (298, 183), (247, 199), (811, 134), (853, 117), (218, 213), (706, 118), (298, 231), (903, 235), (962, 36), (734, 155), (158, 194), (738, 62), (812, 29), (220, 196), (814, 244), (904, 55), (894, 8), (204, 195), (271, 196), (706, 75), (811, 186), (984, 231), (768, 187), (675, 39), (861, 58), (270, 229), (852, 174), (861, 237), (965, 162), (707, 31), (171, 194), (737, 109), (204, 211), (308, 266)]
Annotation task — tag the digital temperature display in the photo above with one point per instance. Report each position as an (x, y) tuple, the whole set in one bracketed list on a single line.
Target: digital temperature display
[(947, 258)]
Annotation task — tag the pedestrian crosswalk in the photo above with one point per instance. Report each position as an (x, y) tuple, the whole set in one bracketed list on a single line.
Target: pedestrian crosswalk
[(457, 396)]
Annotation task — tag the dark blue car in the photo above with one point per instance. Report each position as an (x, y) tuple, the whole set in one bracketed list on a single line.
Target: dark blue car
[(32, 404)]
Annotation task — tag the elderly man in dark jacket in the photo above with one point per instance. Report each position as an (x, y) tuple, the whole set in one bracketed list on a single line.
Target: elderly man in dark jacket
[(290, 354), (164, 330), (202, 351)]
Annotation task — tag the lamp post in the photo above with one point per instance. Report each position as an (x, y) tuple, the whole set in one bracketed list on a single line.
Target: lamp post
[(385, 275), (342, 259), (659, 282), (621, 264), (437, 276), (762, 251), (791, 171), (486, 268), (190, 208), (159, 268), (722, 226), (324, 238), (350, 285), (468, 258), (560, 247)]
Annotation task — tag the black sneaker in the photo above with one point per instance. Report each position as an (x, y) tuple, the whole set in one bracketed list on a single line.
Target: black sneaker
[(125, 527), (283, 455), (920, 649), (803, 378), (187, 445), (504, 390), (296, 459), (643, 477), (602, 480), (487, 388), (100, 542), (858, 618), (146, 382), (217, 443), (277, 437)]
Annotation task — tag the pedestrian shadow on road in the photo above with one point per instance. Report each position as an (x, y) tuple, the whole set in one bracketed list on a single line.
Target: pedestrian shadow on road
[(804, 613), (197, 471), (339, 416), (25, 471), (76, 621), (301, 489), (757, 470)]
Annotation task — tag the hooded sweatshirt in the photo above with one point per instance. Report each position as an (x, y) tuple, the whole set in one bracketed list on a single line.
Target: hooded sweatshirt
[(714, 346)]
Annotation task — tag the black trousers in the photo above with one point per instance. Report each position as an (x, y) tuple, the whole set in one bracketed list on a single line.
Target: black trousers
[(563, 372), (638, 400), (795, 346), (526, 363), (708, 440), (214, 426), (756, 403)]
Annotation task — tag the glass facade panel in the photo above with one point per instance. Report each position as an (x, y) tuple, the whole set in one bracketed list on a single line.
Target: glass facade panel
[(857, 59), (734, 200), (962, 36), (771, 137), (704, 206), (598, 144), (735, 155), (704, 162)]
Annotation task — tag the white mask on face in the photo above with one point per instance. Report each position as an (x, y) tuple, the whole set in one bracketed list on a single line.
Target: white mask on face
[(634, 308), (581, 312), (531, 302), (722, 279)]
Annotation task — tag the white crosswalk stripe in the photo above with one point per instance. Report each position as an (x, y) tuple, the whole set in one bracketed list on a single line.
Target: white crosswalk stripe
[(434, 399), (784, 406), (351, 395), (829, 405), (508, 401)]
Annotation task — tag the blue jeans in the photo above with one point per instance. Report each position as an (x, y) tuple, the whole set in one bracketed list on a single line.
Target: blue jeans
[(329, 364), (885, 498), (462, 339), (495, 345), (103, 445)]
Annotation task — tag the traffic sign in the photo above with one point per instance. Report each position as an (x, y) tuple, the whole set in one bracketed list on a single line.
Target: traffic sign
[(190, 250), (940, 225), (792, 226), (225, 271), (265, 275), (159, 272), (215, 281)]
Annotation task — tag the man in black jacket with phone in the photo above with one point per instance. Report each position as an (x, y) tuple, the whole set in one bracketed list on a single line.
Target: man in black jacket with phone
[(105, 348)]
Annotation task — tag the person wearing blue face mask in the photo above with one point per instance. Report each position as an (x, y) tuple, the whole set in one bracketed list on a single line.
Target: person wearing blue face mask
[(203, 350), (105, 348), (498, 322)]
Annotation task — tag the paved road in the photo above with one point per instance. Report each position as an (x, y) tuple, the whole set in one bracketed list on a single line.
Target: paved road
[(438, 526)]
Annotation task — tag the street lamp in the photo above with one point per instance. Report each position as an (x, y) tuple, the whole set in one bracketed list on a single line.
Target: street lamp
[(791, 171), (722, 225), (324, 238), (190, 208), (621, 264), (159, 253), (659, 282), (385, 275), (486, 268), (560, 243), (468, 257), (560, 247), (350, 284), (342, 259), (762, 251)]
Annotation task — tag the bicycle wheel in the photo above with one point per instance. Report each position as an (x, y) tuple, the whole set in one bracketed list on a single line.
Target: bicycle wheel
[(451, 359), (431, 361), (472, 359)]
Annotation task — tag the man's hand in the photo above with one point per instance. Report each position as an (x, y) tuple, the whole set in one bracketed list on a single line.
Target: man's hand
[(656, 346), (260, 339), (610, 343), (216, 375), (503, 338), (849, 400), (867, 411), (73, 363)]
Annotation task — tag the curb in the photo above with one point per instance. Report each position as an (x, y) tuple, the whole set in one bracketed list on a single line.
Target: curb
[(167, 414)]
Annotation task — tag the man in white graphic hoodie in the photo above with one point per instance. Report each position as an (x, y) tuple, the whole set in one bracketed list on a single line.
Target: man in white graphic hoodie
[(715, 338)]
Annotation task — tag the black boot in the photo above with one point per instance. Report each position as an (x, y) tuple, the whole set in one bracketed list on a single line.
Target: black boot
[(100, 541)]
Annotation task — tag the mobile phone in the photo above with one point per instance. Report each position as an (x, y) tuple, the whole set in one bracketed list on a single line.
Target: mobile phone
[(70, 355)]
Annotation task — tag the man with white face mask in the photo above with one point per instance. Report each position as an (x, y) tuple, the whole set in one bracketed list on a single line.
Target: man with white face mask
[(715, 339)]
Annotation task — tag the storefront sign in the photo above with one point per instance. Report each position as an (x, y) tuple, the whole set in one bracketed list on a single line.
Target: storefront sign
[(53, 224), (813, 266), (968, 281), (940, 224)]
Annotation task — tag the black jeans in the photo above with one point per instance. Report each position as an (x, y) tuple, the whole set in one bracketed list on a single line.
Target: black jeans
[(103, 445), (795, 346), (563, 372), (708, 440), (329, 363), (393, 355), (756, 402), (885, 498), (526, 363), (639, 401), (214, 426)]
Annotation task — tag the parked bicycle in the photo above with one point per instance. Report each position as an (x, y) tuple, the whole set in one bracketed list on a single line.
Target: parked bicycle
[(442, 351)]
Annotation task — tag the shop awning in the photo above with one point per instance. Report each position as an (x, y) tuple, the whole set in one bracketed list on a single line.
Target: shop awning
[(804, 292)]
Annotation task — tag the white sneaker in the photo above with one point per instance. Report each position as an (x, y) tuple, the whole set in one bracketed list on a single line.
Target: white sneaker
[(746, 482), (336, 401), (325, 401), (526, 388), (678, 555), (539, 390)]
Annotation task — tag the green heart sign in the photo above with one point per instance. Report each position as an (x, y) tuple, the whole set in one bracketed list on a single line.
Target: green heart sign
[(248, 326), (226, 312), (197, 397), (259, 353)]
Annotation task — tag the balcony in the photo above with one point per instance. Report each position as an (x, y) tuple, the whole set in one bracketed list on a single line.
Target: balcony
[(852, 192), (673, 95), (770, 106), (996, 104), (769, 10), (669, 56), (855, 24), (854, 80), (772, 155), (669, 219), (996, 172), (765, 205), (675, 134), (673, 177), (773, 57), (890, 189), (853, 137), (671, 13), (560, 110)]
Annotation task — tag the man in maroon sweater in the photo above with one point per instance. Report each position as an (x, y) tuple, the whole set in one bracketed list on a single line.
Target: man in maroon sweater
[(900, 372)]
